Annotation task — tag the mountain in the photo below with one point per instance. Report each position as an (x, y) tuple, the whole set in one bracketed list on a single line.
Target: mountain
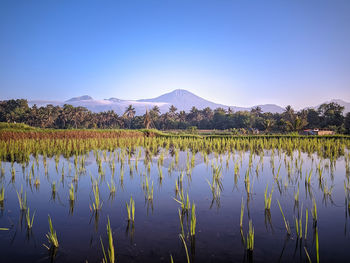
[(270, 108), (115, 100), (343, 103), (81, 98), (184, 100), (181, 99)]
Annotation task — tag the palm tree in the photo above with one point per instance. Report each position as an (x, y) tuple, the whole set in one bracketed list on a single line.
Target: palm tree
[(268, 123), (172, 111), (256, 111), (156, 110), (207, 113), (129, 113), (147, 120), (297, 124), (288, 114), (182, 116), (194, 115)]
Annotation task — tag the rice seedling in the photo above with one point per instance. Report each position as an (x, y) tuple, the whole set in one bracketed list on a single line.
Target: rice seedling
[(37, 182), (242, 213), (317, 246), (306, 222), (308, 178), (29, 220), (110, 251), (2, 194), (278, 173), (299, 226), (96, 204), (193, 220), (22, 200), (314, 212), (327, 191), (236, 169), (13, 173), (185, 205), (51, 236), (250, 237), (296, 196), (286, 223), (268, 199), (130, 208), (53, 188), (215, 189), (181, 223), (148, 191), (71, 193), (111, 187), (287, 151), (176, 188), (185, 246), (307, 255)]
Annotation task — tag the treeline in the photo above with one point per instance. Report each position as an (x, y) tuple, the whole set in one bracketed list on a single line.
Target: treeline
[(327, 116)]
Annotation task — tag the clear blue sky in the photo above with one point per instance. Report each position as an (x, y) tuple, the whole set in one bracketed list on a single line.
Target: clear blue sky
[(233, 52)]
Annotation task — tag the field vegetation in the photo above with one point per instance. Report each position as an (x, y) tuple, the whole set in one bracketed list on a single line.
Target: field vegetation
[(284, 176), (327, 116)]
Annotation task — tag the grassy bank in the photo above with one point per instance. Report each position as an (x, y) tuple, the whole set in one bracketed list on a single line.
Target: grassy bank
[(17, 131)]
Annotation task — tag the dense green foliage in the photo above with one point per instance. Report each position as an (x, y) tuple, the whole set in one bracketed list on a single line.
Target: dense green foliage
[(329, 116)]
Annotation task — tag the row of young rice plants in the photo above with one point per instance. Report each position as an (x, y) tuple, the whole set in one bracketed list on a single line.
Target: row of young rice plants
[(288, 165)]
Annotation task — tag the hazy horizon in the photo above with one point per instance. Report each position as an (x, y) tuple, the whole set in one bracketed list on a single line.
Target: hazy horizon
[(211, 100), (233, 53)]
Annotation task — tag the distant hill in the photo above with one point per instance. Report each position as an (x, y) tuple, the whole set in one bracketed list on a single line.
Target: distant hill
[(183, 100), (81, 98), (180, 98), (345, 104)]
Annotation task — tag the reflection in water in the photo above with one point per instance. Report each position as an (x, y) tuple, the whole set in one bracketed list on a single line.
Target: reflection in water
[(218, 175), (130, 230)]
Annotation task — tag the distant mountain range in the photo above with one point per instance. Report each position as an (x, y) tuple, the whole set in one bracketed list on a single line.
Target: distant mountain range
[(181, 99), (345, 104)]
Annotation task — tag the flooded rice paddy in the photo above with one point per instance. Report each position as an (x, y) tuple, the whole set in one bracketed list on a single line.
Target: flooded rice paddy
[(197, 200)]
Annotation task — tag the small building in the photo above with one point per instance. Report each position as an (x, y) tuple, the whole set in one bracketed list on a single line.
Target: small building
[(317, 132)]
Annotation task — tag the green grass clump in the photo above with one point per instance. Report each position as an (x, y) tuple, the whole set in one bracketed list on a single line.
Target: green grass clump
[(51, 236), (130, 208), (97, 204), (22, 200), (111, 253), (250, 237), (29, 220)]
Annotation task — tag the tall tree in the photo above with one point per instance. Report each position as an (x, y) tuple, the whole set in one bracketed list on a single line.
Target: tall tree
[(172, 112), (331, 114), (147, 120), (129, 114), (347, 123), (313, 118)]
